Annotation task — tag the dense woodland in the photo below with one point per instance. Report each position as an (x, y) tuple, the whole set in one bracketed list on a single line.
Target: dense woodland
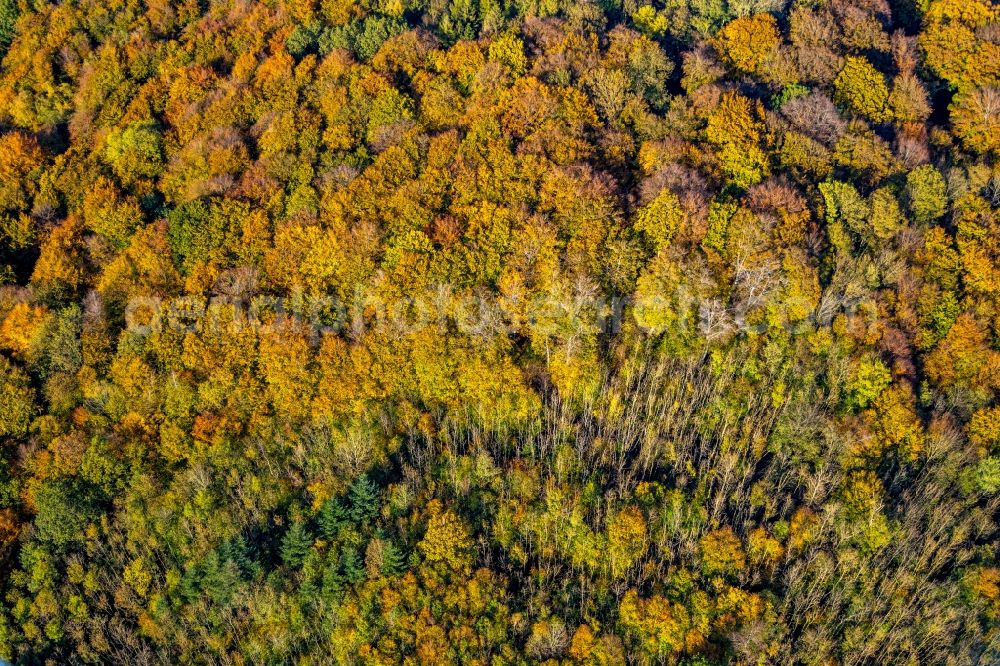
[(710, 374)]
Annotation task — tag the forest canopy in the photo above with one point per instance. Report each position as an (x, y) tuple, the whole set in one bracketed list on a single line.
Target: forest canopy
[(500, 332)]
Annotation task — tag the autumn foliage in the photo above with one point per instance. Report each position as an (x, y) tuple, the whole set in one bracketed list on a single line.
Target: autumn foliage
[(500, 332)]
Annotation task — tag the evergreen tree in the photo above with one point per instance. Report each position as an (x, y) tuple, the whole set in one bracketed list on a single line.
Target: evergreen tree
[(237, 550), (332, 585), (332, 517), (296, 544), (352, 566), (219, 579), (364, 498), (394, 559)]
